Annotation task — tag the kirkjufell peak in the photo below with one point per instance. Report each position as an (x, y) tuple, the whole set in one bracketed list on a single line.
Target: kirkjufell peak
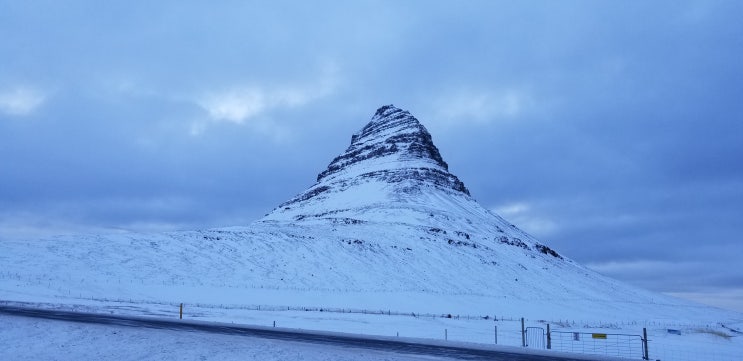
[(392, 162), (393, 131), (396, 141)]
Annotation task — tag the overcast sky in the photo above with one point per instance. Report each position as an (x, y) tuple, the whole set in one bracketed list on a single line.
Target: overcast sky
[(610, 130)]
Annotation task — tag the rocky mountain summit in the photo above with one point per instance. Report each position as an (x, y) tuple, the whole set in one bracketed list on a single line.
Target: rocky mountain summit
[(399, 143), (393, 148)]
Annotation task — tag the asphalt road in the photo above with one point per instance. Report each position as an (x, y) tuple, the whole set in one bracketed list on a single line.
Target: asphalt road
[(280, 334)]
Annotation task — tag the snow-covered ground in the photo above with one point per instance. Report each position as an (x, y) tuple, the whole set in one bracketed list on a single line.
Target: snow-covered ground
[(38, 339), (697, 340), (136, 338)]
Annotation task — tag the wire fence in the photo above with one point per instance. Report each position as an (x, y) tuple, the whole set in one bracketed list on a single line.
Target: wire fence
[(498, 329)]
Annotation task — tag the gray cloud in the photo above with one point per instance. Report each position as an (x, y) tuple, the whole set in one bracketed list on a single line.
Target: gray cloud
[(609, 130)]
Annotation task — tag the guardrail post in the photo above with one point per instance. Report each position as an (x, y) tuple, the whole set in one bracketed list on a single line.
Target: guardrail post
[(181, 312), (446, 334), (645, 344), (496, 335), (523, 333)]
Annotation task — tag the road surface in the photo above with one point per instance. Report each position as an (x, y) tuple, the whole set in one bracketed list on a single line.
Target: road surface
[(336, 340)]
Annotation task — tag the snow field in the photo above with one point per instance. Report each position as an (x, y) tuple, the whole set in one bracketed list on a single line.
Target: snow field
[(37, 339), (696, 342)]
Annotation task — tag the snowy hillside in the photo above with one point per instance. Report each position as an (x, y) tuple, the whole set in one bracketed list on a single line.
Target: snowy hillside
[(386, 226)]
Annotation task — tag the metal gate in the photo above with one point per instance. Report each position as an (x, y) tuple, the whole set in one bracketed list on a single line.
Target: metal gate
[(620, 345), (535, 337)]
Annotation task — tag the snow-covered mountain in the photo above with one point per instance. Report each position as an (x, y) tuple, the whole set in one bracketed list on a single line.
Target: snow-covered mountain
[(390, 206), (385, 227), (385, 218), (392, 175)]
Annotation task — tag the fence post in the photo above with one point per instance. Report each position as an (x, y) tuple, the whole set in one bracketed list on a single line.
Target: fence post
[(181, 311), (446, 334), (549, 338), (645, 343), (523, 333), (496, 335)]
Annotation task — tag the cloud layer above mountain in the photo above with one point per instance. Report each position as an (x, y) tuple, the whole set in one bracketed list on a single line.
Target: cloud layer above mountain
[(610, 130)]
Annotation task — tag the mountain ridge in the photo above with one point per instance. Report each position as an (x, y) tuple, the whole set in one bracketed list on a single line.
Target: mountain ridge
[(393, 133)]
